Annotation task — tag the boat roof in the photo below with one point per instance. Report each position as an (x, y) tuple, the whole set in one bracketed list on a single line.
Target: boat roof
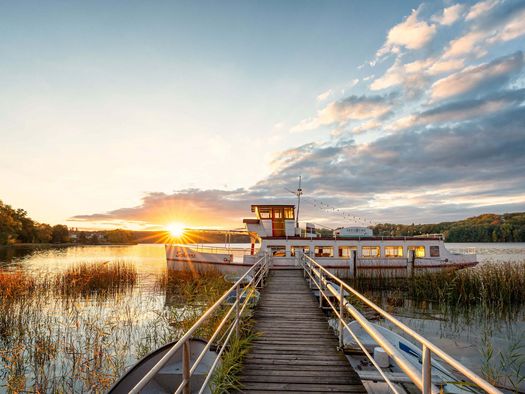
[(253, 206), (357, 238)]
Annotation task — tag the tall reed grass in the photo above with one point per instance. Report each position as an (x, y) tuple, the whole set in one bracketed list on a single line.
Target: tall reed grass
[(489, 284), (93, 278)]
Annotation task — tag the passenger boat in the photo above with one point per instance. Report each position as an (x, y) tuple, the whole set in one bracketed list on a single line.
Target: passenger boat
[(347, 252)]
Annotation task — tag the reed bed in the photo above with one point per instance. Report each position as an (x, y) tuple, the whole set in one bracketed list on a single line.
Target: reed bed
[(490, 284), (95, 278), (16, 283)]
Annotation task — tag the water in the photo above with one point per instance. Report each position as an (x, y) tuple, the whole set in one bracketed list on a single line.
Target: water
[(132, 323)]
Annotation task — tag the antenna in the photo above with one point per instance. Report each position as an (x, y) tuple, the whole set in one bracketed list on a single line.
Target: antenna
[(298, 193)]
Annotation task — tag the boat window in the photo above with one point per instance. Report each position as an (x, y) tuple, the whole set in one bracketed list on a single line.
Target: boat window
[(434, 251), (324, 251), (346, 251), (300, 250), (265, 213), (288, 213), (420, 250), (278, 251), (277, 213), (370, 251), (393, 251)]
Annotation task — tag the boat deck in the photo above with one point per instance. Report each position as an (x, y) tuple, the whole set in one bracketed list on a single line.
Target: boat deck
[(296, 350)]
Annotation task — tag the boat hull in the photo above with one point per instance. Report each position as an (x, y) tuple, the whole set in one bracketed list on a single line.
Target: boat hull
[(169, 377)]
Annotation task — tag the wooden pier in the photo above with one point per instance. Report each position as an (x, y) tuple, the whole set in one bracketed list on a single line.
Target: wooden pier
[(296, 350)]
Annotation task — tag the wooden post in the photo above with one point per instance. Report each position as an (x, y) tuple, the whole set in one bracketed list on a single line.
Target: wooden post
[(186, 367), (410, 264)]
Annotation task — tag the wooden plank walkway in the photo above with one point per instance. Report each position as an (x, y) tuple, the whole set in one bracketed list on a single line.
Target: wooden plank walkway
[(296, 350)]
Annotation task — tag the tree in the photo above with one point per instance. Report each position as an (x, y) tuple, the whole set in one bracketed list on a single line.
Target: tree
[(60, 234), (43, 233)]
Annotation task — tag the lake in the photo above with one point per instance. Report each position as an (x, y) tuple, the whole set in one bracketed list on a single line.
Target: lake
[(129, 324)]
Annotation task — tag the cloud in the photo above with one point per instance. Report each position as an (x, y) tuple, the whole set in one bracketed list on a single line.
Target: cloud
[(412, 34), (463, 110), (210, 208), (481, 8), (351, 108), (415, 76), (323, 96), (471, 80), (421, 173), (419, 158), (450, 15), (466, 44), (492, 22)]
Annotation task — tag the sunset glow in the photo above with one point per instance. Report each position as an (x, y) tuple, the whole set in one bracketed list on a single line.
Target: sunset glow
[(175, 229)]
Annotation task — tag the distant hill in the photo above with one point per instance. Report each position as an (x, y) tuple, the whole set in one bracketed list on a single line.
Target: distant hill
[(489, 227)]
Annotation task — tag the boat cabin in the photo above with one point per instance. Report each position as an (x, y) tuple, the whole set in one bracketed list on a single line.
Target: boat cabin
[(272, 221)]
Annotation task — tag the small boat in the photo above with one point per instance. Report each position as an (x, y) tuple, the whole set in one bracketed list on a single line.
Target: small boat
[(254, 296), (234, 278), (168, 379), (441, 375)]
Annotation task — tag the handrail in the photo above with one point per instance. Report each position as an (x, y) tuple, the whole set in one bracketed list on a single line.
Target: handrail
[(259, 271), (428, 347)]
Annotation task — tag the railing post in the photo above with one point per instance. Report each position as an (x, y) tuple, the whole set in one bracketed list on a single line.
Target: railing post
[(237, 309), (426, 371), (320, 290), (341, 316), (186, 367)]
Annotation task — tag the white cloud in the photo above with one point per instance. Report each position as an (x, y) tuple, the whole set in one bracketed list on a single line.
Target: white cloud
[(450, 15), (413, 75), (352, 108), (366, 126), (411, 34), (443, 66), (464, 45), (480, 8), (323, 96), (514, 28), (503, 24), (472, 78)]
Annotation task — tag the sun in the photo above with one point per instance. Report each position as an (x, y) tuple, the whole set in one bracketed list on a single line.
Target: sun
[(175, 229)]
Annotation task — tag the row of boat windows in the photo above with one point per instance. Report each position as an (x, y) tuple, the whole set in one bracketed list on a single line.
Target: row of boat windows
[(275, 213), (346, 251)]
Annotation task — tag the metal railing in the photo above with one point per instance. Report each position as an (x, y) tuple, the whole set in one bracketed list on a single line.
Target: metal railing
[(257, 273), (204, 248), (324, 281)]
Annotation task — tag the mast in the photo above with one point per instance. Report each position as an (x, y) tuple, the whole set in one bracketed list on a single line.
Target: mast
[(298, 193)]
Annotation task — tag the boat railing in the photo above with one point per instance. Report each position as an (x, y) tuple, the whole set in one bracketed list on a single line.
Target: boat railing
[(203, 248), (253, 278), (325, 280)]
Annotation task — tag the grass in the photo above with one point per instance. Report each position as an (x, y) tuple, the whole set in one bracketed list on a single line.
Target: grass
[(226, 378)]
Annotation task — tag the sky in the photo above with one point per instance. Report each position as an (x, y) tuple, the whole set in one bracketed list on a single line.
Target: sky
[(141, 114)]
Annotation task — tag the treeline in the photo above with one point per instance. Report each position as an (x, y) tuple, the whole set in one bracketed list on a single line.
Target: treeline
[(17, 227), (509, 227)]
